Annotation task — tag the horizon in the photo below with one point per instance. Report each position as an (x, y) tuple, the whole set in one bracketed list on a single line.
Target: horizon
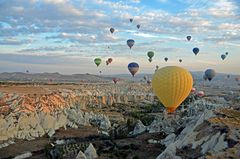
[(139, 74), (66, 35)]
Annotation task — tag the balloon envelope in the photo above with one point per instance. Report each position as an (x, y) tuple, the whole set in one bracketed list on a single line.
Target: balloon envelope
[(172, 85), (195, 50), (130, 43), (150, 54), (226, 53), (133, 68), (200, 93), (166, 59), (180, 60), (193, 90), (223, 56), (237, 79), (205, 77), (112, 30), (138, 26), (149, 82), (115, 80), (110, 60), (97, 61), (189, 38), (131, 20), (210, 73)]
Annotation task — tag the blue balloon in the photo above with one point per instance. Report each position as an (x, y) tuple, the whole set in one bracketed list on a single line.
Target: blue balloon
[(195, 50), (210, 73), (130, 43), (133, 68), (223, 56)]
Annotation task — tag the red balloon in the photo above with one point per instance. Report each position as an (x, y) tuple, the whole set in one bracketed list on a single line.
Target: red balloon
[(200, 93), (193, 90), (110, 60), (115, 80)]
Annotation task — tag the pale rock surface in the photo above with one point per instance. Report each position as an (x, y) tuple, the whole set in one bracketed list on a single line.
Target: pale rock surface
[(81, 155), (47, 122), (91, 152), (169, 139), (22, 156), (139, 128), (169, 153)]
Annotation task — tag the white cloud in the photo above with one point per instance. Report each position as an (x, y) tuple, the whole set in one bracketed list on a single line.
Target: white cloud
[(135, 1), (229, 26), (145, 35), (55, 1), (86, 24), (18, 9), (163, 1)]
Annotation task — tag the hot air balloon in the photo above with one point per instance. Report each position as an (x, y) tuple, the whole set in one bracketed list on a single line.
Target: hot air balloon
[(97, 61), (180, 60), (237, 79), (195, 50), (223, 56), (100, 72), (210, 73), (166, 59), (27, 71), (226, 53), (110, 60), (228, 76), (145, 78), (107, 63), (138, 26), (115, 80), (200, 93), (157, 67), (193, 90), (150, 54), (172, 85), (112, 30), (130, 43), (131, 20), (133, 68), (189, 38), (149, 82), (205, 77)]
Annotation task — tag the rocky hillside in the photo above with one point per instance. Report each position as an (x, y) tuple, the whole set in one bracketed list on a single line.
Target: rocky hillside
[(51, 77), (128, 122)]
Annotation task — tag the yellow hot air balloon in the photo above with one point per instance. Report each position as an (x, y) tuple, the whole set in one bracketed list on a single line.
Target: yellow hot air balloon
[(172, 85)]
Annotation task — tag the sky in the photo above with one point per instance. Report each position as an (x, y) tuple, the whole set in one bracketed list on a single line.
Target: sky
[(66, 35)]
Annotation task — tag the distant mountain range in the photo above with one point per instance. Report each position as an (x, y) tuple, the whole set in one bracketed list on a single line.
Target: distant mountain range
[(57, 77), (50, 77)]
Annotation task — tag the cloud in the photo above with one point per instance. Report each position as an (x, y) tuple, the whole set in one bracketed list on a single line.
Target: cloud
[(81, 28), (14, 41), (223, 9), (163, 1), (135, 1), (145, 35)]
